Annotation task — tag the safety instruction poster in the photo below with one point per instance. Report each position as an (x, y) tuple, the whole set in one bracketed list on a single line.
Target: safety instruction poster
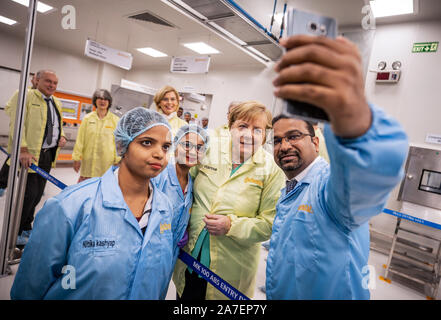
[(69, 108)]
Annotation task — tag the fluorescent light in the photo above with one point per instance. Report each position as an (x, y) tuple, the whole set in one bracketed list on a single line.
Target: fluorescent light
[(7, 21), (152, 52), (201, 48), (228, 34), (387, 8), (41, 7), (260, 54)]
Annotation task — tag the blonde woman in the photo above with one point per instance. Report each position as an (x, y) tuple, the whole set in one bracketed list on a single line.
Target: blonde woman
[(167, 103), (235, 191)]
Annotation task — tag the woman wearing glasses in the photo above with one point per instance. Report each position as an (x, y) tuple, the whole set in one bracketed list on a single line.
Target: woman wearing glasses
[(175, 181), (235, 191)]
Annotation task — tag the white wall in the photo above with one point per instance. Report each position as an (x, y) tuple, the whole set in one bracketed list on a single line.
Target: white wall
[(83, 75), (416, 100), (76, 74), (225, 85)]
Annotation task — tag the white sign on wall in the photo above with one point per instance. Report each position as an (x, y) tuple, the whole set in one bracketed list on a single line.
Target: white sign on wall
[(138, 87), (103, 53), (190, 64), (433, 138), (69, 108)]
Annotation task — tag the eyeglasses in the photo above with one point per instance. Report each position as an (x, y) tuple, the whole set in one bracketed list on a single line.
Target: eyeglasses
[(291, 138), (187, 145)]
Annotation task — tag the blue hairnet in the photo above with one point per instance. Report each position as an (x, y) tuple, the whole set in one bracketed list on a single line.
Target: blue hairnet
[(191, 128), (135, 122)]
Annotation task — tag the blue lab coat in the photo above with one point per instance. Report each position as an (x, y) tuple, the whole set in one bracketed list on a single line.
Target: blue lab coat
[(167, 181), (319, 247), (87, 244)]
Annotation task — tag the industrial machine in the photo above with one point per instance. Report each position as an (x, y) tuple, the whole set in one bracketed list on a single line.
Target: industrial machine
[(415, 254)]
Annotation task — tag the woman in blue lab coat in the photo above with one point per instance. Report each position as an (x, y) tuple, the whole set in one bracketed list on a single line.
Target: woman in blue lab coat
[(107, 237), (190, 144)]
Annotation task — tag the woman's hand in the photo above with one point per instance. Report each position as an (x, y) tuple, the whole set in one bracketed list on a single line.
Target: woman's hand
[(77, 165), (217, 224)]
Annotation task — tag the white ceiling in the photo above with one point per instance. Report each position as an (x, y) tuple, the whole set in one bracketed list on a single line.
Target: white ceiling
[(106, 22)]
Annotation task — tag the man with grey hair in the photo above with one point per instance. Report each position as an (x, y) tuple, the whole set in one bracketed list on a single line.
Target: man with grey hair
[(205, 123), (187, 116), (41, 140), (35, 78)]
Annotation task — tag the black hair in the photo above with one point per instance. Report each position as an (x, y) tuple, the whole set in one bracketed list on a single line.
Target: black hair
[(309, 124)]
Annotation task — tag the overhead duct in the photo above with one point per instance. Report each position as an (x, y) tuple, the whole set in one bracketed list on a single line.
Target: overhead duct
[(196, 97), (147, 16), (229, 20)]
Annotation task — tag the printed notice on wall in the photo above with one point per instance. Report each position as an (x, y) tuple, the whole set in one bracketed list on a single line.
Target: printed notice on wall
[(103, 53), (433, 138), (69, 108), (198, 64)]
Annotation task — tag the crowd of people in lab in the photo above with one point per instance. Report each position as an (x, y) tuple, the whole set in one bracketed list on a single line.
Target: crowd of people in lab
[(155, 182)]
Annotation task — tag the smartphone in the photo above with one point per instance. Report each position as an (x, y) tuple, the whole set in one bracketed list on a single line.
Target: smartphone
[(301, 22)]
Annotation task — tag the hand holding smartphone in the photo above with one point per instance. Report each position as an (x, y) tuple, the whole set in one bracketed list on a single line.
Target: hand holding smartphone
[(300, 22), (322, 78)]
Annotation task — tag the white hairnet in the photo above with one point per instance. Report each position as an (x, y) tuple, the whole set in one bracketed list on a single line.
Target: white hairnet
[(135, 122), (191, 128)]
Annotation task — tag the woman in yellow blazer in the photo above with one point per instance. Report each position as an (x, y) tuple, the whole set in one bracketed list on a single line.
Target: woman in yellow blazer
[(167, 103), (94, 151), (236, 189)]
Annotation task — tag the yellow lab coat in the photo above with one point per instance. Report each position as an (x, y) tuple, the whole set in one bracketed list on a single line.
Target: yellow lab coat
[(95, 144), (34, 122), (174, 121), (248, 198)]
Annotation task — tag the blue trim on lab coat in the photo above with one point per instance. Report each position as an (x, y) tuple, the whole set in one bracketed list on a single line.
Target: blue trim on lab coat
[(90, 228), (319, 247)]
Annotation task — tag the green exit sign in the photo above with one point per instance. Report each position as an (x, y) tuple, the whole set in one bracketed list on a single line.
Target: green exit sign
[(425, 47)]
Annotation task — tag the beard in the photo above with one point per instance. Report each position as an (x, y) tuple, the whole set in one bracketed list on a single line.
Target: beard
[(291, 164)]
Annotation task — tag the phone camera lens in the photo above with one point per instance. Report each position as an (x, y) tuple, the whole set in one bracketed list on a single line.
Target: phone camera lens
[(313, 26)]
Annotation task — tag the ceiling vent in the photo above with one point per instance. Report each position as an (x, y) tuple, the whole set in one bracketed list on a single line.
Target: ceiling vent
[(152, 18), (228, 19)]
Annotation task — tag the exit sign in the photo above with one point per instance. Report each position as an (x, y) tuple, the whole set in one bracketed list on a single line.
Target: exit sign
[(425, 47)]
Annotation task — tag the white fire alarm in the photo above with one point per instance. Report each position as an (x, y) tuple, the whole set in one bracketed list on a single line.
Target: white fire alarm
[(388, 76), (392, 76)]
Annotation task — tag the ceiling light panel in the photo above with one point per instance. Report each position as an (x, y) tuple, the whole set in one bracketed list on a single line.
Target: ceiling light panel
[(7, 21), (387, 8), (41, 7), (201, 48), (152, 52)]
